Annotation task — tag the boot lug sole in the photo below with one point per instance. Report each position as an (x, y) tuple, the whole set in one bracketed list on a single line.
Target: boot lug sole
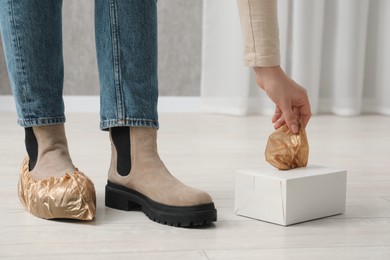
[(123, 198)]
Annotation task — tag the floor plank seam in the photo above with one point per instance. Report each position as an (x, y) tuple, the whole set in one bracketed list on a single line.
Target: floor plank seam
[(386, 198), (297, 247), (205, 254)]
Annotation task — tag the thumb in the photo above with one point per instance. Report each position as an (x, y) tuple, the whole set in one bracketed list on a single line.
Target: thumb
[(289, 117)]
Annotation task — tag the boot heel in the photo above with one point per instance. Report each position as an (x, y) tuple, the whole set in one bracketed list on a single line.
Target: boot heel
[(117, 200)]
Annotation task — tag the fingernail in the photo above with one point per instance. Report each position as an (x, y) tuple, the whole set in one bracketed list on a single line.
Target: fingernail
[(294, 128)]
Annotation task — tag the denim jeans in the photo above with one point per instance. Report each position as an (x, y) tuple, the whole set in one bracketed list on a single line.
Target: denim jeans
[(126, 43)]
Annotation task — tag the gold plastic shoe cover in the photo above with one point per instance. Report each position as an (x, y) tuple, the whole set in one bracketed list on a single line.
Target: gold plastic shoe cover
[(286, 150), (72, 196)]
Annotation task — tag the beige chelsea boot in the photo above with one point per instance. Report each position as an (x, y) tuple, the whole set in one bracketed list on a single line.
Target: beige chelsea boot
[(138, 177)]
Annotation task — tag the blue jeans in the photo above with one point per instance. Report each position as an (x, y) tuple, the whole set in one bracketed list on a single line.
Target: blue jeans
[(126, 43)]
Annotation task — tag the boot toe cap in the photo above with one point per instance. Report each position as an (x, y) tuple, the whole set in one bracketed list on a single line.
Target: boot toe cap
[(188, 196)]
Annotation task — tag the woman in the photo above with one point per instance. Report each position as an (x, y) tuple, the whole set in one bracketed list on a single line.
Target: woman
[(50, 186)]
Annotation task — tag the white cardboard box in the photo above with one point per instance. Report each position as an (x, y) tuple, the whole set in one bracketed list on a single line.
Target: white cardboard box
[(289, 197)]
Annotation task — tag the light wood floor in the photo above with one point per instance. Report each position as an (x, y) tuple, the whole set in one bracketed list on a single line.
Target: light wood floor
[(205, 151)]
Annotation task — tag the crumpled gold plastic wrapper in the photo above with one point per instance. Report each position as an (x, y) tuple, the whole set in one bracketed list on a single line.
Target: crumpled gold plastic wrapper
[(286, 150), (72, 196)]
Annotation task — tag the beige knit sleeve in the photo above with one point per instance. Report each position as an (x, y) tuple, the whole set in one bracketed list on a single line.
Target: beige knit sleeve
[(259, 24)]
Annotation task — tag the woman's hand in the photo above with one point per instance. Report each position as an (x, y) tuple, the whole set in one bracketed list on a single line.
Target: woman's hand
[(292, 103)]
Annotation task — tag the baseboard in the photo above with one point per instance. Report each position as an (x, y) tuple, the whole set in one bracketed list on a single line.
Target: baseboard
[(170, 104), (90, 104)]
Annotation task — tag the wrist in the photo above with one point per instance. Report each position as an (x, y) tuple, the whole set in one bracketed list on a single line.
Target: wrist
[(267, 75)]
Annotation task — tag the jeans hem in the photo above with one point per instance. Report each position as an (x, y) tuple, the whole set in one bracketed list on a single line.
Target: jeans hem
[(132, 122), (41, 121)]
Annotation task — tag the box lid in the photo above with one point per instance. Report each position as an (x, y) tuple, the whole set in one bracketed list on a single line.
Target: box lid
[(271, 172)]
